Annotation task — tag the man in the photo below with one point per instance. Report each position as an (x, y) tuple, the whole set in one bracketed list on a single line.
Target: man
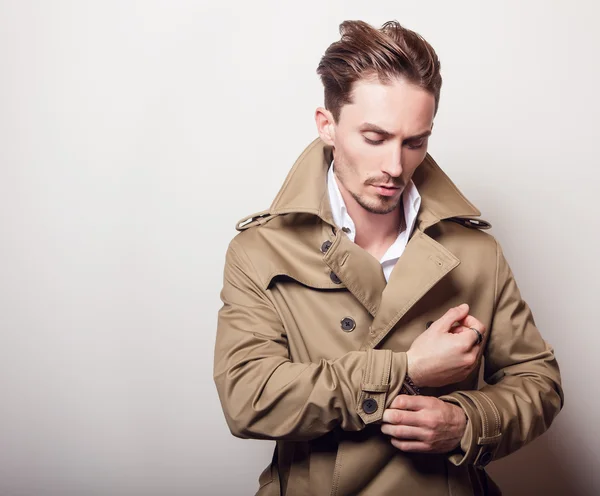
[(360, 309)]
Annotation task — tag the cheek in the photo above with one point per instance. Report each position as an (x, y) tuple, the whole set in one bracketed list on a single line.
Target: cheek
[(357, 156), (345, 165), (364, 161), (357, 151)]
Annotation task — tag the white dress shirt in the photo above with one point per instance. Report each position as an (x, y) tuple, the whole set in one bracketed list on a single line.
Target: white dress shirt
[(411, 200)]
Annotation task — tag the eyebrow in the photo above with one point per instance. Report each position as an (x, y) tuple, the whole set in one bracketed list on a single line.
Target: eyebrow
[(367, 126)]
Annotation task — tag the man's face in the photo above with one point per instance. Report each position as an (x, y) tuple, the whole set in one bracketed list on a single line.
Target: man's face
[(380, 140)]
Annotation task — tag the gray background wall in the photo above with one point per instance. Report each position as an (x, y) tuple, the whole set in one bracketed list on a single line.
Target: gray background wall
[(134, 134)]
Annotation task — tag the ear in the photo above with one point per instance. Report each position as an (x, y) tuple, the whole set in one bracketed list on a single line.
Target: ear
[(325, 125)]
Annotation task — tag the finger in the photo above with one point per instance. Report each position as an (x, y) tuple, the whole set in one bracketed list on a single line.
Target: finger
[(411, 446), (458, 328), (453, 315), (475, 330), (470, 321), (402, 417), (468, 337), (404, 432), (410, 402)]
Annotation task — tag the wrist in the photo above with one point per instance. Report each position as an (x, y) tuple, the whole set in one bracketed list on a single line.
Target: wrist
[(460, 420), (409, 387), (412, 370)]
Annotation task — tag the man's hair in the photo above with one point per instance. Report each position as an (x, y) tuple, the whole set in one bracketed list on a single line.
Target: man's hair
[(365, 52)]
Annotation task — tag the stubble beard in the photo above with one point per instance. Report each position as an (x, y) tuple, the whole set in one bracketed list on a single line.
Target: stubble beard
[(381, 205), (384, 206)]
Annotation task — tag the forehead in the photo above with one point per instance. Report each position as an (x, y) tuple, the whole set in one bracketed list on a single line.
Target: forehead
[(399, 107)]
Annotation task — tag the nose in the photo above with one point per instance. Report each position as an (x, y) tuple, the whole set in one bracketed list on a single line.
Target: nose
[(393, 164)]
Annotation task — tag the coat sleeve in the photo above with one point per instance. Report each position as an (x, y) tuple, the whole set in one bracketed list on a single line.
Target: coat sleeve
[(522, 394), (264, 395)]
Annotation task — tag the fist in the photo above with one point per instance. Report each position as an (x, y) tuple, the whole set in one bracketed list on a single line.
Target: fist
[(448, 351)]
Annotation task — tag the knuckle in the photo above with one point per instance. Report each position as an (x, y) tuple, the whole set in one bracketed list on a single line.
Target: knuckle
[(397, 417)]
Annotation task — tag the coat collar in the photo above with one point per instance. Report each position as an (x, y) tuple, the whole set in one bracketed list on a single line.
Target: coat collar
[(423, 264), (305, 190)]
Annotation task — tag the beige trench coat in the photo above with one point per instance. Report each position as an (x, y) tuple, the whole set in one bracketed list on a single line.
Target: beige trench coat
[(309, 330)]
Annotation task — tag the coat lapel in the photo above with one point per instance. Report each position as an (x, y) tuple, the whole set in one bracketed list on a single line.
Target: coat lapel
[(422, 265), (358, 270)]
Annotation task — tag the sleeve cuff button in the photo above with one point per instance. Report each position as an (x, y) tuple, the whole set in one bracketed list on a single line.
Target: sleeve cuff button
[(369, 406)]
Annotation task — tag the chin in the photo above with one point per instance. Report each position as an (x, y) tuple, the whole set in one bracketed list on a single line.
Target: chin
[(379, 205)]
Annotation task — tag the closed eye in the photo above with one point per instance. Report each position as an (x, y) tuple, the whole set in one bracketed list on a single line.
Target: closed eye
[(412, 145), (373, 142), (416, 145)]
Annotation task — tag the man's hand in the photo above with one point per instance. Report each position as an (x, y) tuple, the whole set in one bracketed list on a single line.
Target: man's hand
[(424, 424), (445, 353)]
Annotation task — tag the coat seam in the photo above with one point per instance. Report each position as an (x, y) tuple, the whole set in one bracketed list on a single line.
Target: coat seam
[(495, 302), (494, 411), (483, 413)]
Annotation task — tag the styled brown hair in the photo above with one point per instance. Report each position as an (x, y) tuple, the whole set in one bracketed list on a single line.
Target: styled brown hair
[(366, 52)]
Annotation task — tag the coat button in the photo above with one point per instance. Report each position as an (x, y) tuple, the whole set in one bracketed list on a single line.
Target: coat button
[(348, 324), (325, 246), (485, 458), (333, 276), (369, 406)]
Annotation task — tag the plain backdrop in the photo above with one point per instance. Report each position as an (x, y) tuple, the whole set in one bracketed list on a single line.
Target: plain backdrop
[(134, 134)]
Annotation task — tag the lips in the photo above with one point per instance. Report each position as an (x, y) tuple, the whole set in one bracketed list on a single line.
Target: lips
[(386, 190), (386, 186)]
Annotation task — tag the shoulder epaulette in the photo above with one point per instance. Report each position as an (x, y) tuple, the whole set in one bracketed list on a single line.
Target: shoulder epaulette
[(256, 219), (471, 223)]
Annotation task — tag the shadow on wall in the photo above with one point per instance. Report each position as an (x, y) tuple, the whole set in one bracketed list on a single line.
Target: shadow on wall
[(536, 469)]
